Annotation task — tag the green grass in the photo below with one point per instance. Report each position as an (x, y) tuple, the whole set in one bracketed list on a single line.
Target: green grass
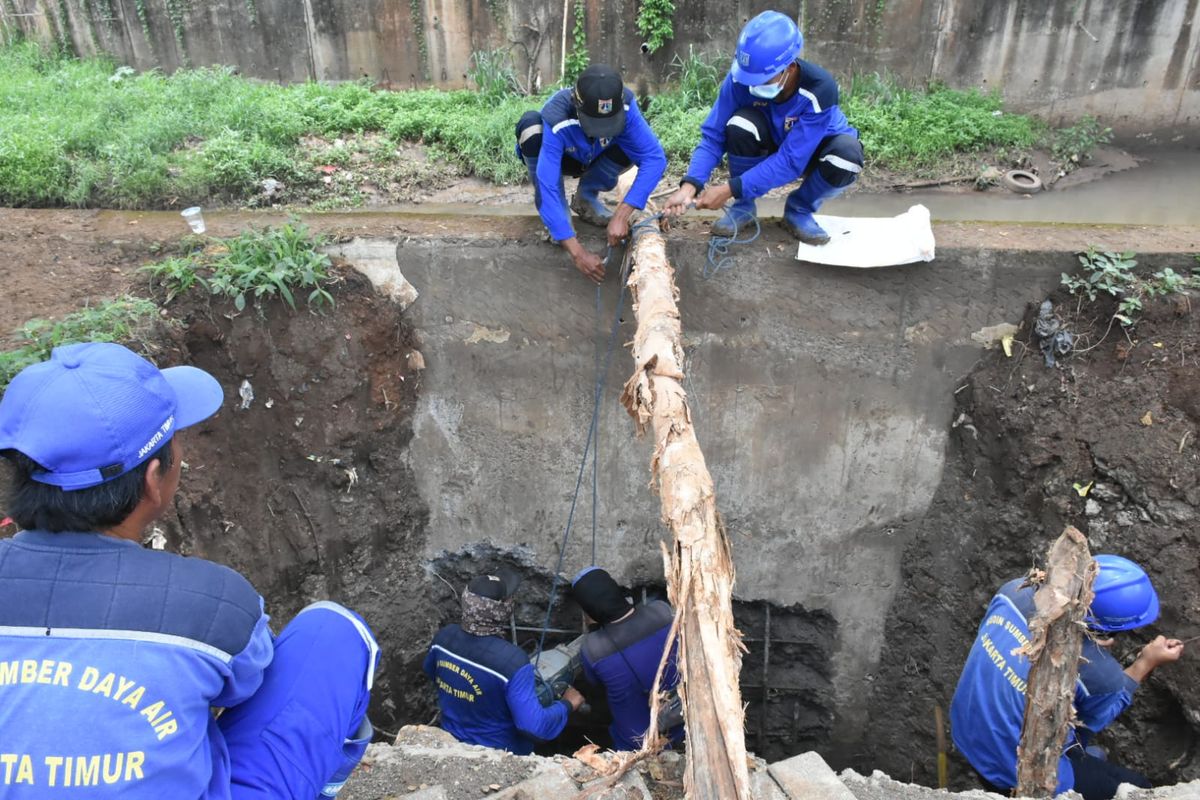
[(124, 319), (273, 262), (904, 129), (89, 133)]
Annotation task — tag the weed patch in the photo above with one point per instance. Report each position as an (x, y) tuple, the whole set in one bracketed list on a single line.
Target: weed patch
[(125, 319), (274, 262), (1115, 275), (89, 133)]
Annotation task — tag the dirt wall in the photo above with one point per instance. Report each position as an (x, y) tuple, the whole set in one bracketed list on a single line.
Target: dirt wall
[(1025, 436), (1134, 64)]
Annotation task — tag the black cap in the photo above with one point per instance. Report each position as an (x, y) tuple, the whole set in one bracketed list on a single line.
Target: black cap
[(495, 587), (600, 102)]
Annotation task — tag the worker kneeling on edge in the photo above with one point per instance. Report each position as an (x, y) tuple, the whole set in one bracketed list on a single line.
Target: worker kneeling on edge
[(623, 655), (486, 689), (777, 119), (594, 132), (988, 709), (112, 656)]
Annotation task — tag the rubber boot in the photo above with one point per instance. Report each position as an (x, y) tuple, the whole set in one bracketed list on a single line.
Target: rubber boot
[(352, 752), (600, 176), (803, 203), (531, 164), (740, 213)]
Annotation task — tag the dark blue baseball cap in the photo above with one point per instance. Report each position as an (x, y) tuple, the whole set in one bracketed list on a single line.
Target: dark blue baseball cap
[(95, 411)]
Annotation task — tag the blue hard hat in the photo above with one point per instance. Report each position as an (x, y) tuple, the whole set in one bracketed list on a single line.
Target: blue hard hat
[(1124, 599), (767, 44)]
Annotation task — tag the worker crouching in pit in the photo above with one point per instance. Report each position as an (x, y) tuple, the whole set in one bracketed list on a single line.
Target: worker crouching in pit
[(988, 709), (623, 654), (486, 688), (112, 656), (595, 132)]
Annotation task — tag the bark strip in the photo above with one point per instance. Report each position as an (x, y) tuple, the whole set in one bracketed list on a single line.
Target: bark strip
[(699, 566), (1055, 644)]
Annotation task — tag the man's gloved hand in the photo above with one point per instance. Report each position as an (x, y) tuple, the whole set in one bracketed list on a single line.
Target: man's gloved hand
[(680, 201), (590, 264)]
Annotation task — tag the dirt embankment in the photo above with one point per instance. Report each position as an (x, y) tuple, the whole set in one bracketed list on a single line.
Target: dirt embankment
[(1107, 441), (307, 490)]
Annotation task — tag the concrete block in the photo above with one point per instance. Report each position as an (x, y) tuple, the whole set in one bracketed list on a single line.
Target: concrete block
[(764, 787), (631, 787), (808, 777), (376, 259), (551, 784), (431, 793)]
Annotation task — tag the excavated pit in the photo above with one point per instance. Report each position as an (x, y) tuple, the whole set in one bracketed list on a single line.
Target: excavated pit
[(880, 473)]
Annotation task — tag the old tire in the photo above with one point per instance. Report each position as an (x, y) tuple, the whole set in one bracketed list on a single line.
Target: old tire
[(1021, 181)]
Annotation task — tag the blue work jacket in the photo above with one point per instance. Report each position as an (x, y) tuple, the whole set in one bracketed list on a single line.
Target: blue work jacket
[(486, 692), (623, 657), (798, 125), (562, 135), (989, 704), (111, 659)]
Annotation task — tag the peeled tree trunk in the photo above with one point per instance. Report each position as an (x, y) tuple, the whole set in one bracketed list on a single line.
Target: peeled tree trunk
[(699, 567), (1055, 643)]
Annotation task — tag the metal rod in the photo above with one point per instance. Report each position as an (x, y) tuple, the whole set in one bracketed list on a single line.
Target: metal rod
[(512, 621), (538, 629), (766, 665)]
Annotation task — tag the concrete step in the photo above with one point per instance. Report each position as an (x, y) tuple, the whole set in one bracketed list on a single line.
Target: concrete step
[(808, 777)]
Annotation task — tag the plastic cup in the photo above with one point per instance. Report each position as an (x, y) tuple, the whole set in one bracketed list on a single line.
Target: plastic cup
[(194, 218)]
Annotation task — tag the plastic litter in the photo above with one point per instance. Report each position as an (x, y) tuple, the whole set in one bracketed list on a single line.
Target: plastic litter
[(195, 219), (1053, 338)]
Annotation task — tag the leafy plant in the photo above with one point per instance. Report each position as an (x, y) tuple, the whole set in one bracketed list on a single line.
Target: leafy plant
[(121, 320), (493, 73), (577, 59), (256, 264), (654, 23), (699, 76), (1115, 275), (1071, 145)]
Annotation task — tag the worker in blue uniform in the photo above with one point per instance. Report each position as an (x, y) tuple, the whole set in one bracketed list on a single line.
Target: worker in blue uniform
[(485, 684), (776, 119), (593, 131), (988, 709), (623, 653), (113, 657)]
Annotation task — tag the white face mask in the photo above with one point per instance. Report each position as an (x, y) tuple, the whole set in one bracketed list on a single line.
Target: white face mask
[(769, 91)]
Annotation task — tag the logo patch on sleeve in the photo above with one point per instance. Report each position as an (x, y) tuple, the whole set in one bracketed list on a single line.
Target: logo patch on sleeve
[(788, 122)]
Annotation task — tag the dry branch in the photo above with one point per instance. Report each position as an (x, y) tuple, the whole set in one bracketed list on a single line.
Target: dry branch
[(699, 566), (1055, 644)]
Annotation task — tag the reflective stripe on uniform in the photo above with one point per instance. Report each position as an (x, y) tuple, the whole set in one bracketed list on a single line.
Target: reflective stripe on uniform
[(841, 163), (532, 130), (744, 124)]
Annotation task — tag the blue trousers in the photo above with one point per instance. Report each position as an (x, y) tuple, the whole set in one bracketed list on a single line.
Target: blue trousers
[(291, 738)]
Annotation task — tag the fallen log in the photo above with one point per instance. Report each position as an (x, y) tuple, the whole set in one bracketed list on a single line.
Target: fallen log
[(1055, 644), (699, 566)]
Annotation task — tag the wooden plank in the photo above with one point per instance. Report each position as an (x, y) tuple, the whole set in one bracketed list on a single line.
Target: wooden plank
[(698, 567), (1055, 644)]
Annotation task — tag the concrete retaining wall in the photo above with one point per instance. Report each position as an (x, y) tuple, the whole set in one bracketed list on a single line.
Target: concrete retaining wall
[(822, 399), (1134, 63)]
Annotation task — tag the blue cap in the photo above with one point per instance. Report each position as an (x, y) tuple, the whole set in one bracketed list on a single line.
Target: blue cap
[(95, 411)]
